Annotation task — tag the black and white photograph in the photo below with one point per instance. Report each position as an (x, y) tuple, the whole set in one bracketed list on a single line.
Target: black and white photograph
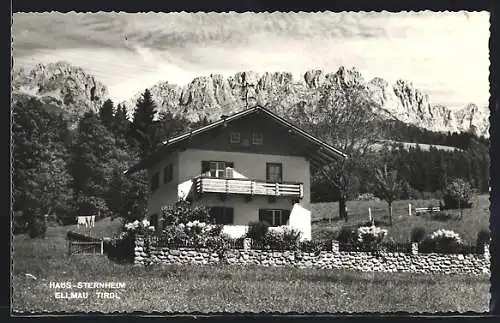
[(284, 162)]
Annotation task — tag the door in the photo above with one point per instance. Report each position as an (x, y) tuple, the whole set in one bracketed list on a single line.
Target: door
[(274, 172)]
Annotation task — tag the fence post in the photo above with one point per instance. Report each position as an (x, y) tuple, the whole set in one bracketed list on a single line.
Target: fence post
[(409, 209), (414, 248), (486, 251), (335, 246), (247, 242), (370, 214), (69, 247), (102, 246)]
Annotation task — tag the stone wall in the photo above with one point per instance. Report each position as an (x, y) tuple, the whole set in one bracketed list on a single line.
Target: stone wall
[(355, 261)]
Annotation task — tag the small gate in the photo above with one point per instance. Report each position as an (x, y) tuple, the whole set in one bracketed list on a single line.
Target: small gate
[(85, 247)]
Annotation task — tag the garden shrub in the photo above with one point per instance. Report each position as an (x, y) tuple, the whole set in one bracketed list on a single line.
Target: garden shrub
[(347, 235), (315, 246), (417, 234), (257, 230), (483, 237), (273, 239), (291, 237), (370, 238), (121, 248), (184, 212), (37, 227), (442, 241), (457, 194)]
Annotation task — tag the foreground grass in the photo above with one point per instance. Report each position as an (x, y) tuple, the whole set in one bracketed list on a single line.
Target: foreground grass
[(229, 288), (473, 219)]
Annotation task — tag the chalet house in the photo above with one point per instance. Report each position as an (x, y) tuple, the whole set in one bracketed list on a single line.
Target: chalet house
[(249, 166)]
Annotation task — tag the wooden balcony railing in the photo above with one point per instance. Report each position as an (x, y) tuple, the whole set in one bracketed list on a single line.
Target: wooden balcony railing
[(247, 187)]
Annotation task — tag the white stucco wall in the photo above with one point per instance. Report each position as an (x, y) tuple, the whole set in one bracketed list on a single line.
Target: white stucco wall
[(250, 165), (187, 165), (166, 194)]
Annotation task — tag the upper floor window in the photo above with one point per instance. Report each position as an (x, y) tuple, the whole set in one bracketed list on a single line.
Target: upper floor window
[(257, 138), (274, 172), (235, 137), (275, 218), (214, 168), (168, 173), (155, 181)]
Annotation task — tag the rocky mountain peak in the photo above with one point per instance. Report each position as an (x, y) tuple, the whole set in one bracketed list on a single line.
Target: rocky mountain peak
[(76, 91), (61, 84)]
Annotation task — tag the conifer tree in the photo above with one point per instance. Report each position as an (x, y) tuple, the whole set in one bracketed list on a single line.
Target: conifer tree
[(142, 127), (106, 113)]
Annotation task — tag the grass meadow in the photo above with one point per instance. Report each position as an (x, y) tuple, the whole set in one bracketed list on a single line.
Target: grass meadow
[(225, 288), (472, 220)]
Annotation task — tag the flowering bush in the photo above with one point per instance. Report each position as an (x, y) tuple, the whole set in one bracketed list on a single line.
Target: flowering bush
[(370, 238), (141, 227), (193, 234), (184, 212), (442, 241), (281, 238)]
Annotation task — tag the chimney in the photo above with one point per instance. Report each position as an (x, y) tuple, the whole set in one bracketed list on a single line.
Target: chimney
[(223, 117)]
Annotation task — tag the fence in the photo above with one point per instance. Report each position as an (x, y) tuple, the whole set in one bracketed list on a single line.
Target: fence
[(454, 249), (85, 247), (165, 242), (76, 236), (403, 247), (319, 245)]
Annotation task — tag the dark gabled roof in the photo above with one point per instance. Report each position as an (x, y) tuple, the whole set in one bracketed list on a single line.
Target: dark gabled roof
[(321, 155)]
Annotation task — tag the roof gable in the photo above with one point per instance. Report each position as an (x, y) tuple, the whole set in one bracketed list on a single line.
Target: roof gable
[(319, 152)]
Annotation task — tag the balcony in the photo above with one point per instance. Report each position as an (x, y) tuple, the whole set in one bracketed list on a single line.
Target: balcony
[(247, 187)]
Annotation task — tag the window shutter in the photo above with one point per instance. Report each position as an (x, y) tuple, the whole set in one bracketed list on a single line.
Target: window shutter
[(261, 215), (286, 216), (229, 216), (205, 166)]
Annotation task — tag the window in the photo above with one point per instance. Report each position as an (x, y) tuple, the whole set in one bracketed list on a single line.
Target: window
[(235, 137), (214, 168), (155, 181), (275, 218), (168, 173), (274, 172), (257, 138), (222, 215)]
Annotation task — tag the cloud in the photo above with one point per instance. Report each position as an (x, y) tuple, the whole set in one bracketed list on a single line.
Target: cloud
[(445, 54)]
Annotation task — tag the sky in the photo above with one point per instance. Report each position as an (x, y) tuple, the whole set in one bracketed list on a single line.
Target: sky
[(444, 54)]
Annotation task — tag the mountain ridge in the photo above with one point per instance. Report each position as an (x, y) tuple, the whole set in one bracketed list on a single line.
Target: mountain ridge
[(211, 96)]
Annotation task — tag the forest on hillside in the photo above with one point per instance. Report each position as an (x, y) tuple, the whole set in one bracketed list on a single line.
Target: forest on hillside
[(63, 171)]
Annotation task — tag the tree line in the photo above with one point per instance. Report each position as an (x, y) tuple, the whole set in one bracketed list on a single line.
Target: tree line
[(60, 172), (63, 172)]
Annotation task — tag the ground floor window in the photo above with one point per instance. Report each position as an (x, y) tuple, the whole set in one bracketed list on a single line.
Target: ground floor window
[(275, 217), (222, 215)]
